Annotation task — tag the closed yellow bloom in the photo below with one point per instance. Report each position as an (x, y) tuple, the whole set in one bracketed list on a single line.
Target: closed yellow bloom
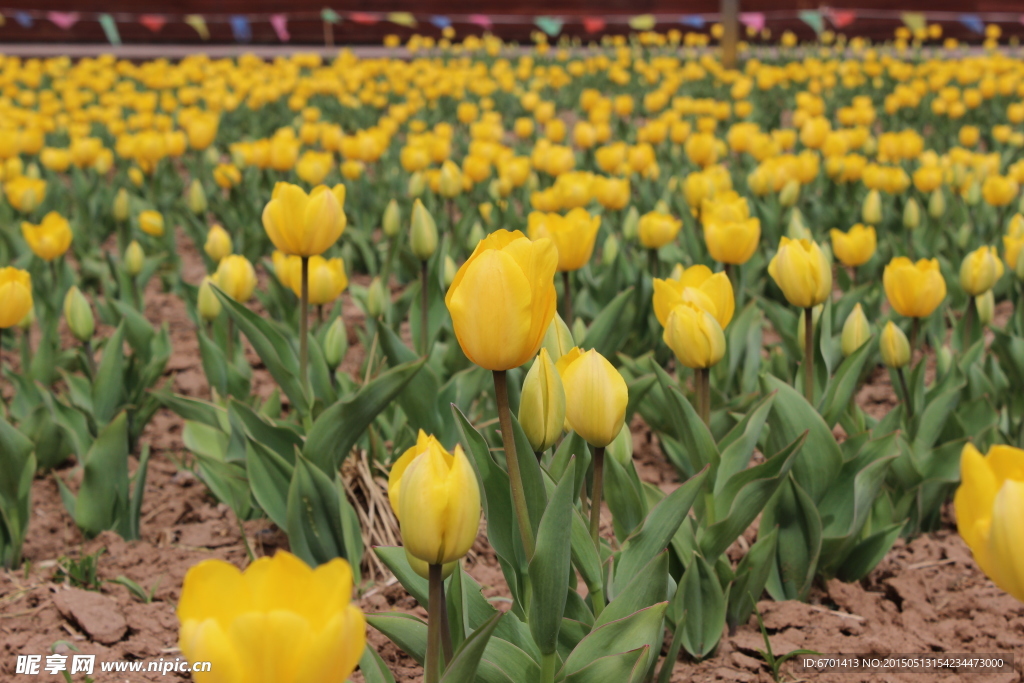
[(856, 330), (152, 223), (1012, 246), (732, 241), (573, 235), (277, 622), (202, 129), (658, 229), (207, 302), (980, 270), (236, 276), (450, 180), (15, 296), (871, 209), (50, 239), (503, 298), (701, 149), (894, 346), (711, 292), (928, 178), (313, 166), (327, 280), (802, 272), (989, 506), (542, 404), (218, 243), (914, 290), (999, 190), (134, 258), (694, 335), (438, 501), (854, 247), (25, 193), (305, 224), (227, 175), (612, 193), (55, 159), (595, 396)]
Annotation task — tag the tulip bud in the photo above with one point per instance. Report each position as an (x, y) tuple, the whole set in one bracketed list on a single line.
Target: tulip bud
[(32, 171), (911, 214), (494, 189), (423, 238), (986, 304), (196, 198), (476, 233), (417, 183), (579, 329), (796, 230), (585, 377), (376, 299), (542, 406), (801, 326), (532, 182), (621, 447), (871, 209), (335, 343), (790, 193), (937, 203), (450, 182), (212, 155), (208, 303), (218, 243), (78, 315), (390, 222), (894, 346), (122, 207), (630, 224), (856, 331), (558, 340), (973, 196), (610, 250), (1019, 266), (423, 569), (943, 360), (450, 270), (134, 258)]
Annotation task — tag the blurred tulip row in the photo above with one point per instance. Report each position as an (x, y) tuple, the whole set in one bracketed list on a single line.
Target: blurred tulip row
[(478, 273)]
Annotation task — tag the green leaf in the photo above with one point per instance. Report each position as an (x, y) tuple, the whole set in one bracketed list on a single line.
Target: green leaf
[(420, 401), (463, 667), (195, 409), (18, 464), (699, 608), (282, 439), (751, 575), (103, 497), (407, 632), (414, 584), (691, 431), (866, 555), (799, 546), (844, 383), (504, 662), (623, 667), (269, 477), (624, 497), (109, 384), (640, 629), (648, 587), (314, 522), (584, 554), (373, 668), (611, 326), (138, 332), (138, 490), (549, 569), (738, 445)]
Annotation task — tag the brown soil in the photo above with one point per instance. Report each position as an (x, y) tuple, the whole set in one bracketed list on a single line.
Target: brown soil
[(927, 596)]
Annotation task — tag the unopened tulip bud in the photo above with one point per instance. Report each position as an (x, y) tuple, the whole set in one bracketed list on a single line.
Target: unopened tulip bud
[(476, 233), (450, 182), (558, 340), (796, 230), (790, 193), (423, 237), (801, 326), (218, 243), (494, 189), (335, 343), (212, 155), (450, 270), (122, 207), (895, 346), (631, 223), (423, 569), (871, 209), (134, 258), (196, 198), (417, 183), (610, 250), (390, 223), (78, 315), (542, 406), (973, 196), (943, 360), (856, 331), (376, 299), (963, 235), (532, 182), (208, 303), (586, 376), (621, 447), (32, 171), (911, 214), (986, 304), (579, 329), (937, 203)]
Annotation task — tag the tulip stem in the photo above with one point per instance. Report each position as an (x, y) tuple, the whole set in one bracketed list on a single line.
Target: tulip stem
[(424, 309), (231, 340), (446, 631), (906, 393), (915, 330), (969, 323), (567, 297), (548, 663), (704, 389), (809, 354), (515, 477), (436, 600), (304, 322), (652, 262), (595, 499)]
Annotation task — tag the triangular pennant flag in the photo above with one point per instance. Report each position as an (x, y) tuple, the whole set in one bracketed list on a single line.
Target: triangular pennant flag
[(241, 29), (64, 20), (402, 19), (841, 18), (642, 22), (915, 21), (440, 22), (550, 25), (197, 22), (973, 22), (329, 15), (3, 20), (24, 19), (481, 20), (812, 18), (110, 29), (280, 24), (154, 22), (366, 18), (752, 20), (692, 20), (594, 24)]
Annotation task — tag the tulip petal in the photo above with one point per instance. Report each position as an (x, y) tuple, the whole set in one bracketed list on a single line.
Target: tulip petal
[(1007, 554), (275, 644), (212, 589)]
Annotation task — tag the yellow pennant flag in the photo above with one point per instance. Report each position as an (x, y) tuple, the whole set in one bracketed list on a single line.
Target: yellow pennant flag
[(197, 22), (402, 19), (642, 22), (915, 21)]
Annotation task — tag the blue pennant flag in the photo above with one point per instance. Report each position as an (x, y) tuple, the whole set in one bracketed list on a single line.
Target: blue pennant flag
[(241, 29), (24, 19), (973, 22), (692, 20), (441, 22)]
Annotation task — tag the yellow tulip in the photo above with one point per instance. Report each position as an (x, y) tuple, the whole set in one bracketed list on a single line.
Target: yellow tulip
[(914, 290), (894, 346), (208, 304), (711, 292), (121, 207), (701, 149), (612, 193), (595, 396), (542, 406), (573, 235), (989, 505), (558, 339), (999, 190), (856, 331), (134, 258), (327, 280), (980, 270), (854, 247), (227, 175), (55, 159), (732, 241), (277, 622), (152, 223), (657, 229), (450, 180), (503, 299), (694, 335), (25, 193), (802, 272), (15, 296), (202, 129), (313, 166), (236, 277), (871, 210), (928, 178), (436, 498), (305, 224), (50, 239), (1012, 246), (218, 243)]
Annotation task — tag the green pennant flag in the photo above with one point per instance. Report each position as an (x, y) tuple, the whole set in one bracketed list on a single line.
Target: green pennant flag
[(329, 15), (110, 28), (550, 25), (812, 18)]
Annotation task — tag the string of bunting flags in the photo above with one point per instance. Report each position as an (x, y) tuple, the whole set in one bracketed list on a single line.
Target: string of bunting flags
[(241, 24)]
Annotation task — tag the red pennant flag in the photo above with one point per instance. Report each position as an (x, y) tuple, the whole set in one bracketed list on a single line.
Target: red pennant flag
[(64, 19), (481, 20), (842, 17), (593, 24), (363, 17), (154, 22)]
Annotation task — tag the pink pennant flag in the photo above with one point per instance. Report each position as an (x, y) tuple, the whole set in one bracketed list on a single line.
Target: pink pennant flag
[(363, 17), (593, 24), (752, 20), (65, 20), (280, 24), (481, 20), (154, 22)]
